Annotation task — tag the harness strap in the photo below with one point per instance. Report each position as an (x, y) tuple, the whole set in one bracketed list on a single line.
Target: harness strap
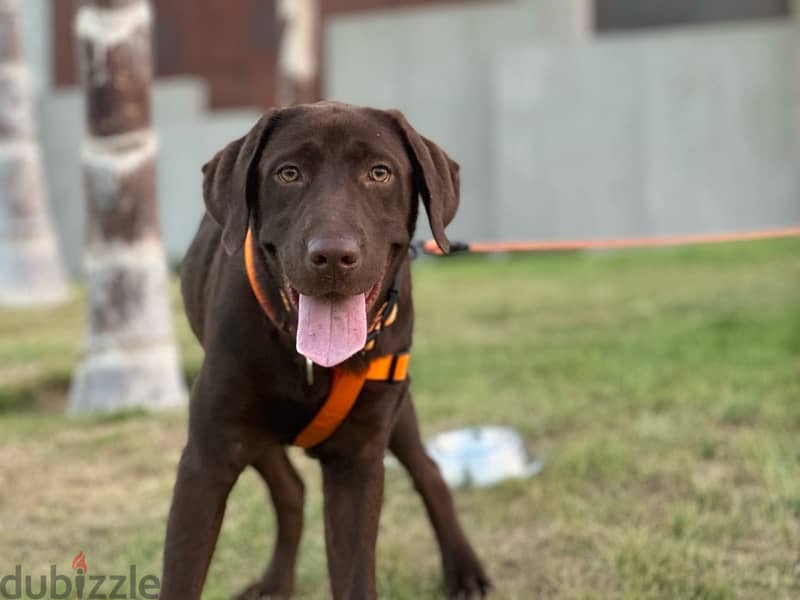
[(344, 392), (346, 386)]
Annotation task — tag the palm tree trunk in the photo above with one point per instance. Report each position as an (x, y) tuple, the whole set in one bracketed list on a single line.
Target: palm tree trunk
[(30, 269), (298, 55), (131, 359)]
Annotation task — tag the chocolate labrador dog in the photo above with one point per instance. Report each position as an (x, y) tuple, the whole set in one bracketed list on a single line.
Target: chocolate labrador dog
[(297, 285)]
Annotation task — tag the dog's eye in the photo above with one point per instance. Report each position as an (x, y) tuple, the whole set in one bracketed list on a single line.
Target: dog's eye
[(380, 173), (288, 174)]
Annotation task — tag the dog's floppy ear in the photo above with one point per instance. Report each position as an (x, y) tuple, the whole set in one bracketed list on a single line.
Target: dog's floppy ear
[(230, 180), (436, 177)]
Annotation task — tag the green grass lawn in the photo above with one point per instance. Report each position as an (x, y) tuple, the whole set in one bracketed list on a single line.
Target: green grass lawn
[(661, 388)]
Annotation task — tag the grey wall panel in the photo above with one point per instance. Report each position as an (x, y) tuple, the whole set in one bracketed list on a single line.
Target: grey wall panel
[(560, 135), (568, 146), (683, 132), (721, 129), (436, 66)]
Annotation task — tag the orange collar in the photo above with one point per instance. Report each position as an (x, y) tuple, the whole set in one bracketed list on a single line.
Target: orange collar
[(346, 386), (259, 292)]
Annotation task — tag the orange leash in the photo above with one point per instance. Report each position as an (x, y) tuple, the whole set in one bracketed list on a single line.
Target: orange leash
[(346, 386), (430, 247)]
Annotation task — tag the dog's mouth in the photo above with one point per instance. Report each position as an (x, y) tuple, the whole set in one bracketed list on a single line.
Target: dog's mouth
[(333, 327), (369, 297)]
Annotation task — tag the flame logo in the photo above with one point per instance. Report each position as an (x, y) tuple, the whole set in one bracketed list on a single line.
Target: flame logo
[(79, 562)]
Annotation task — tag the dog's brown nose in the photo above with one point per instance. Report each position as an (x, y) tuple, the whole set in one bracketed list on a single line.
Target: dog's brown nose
[(333, 254)]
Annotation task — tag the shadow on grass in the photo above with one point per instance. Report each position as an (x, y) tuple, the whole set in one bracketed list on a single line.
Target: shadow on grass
[(47, 395), (44, 395)]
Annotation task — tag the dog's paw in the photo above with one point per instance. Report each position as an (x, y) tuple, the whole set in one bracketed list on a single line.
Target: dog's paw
[(464, 577)]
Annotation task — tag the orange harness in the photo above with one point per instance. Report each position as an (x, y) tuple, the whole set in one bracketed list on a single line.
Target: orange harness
[(346, 385)]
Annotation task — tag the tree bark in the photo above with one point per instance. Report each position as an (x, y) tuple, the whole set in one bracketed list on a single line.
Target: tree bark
[(30, 269), (299, 53), (131, 358)]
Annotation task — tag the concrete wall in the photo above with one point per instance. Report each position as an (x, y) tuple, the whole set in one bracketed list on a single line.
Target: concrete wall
[(436, 65), (692, 130), (35, 15), (563, 134)]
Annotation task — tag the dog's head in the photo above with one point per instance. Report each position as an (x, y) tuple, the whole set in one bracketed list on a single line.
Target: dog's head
[(331, 192)]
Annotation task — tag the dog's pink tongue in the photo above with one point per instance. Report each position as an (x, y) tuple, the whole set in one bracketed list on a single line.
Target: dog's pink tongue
[(331, 331)]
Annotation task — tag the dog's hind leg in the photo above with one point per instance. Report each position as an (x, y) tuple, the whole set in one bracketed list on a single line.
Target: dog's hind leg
[(463, 572), (288, 493)]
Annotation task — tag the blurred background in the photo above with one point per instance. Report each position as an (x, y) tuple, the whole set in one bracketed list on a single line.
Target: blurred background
[(660, 387), (570, 118)]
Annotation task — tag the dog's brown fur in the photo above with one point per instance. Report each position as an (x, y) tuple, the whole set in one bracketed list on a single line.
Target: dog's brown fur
[(251, 396)]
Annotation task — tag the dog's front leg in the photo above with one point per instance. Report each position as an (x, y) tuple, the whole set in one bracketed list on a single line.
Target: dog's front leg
[(214, 457), (353, 491), (198, 505)]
